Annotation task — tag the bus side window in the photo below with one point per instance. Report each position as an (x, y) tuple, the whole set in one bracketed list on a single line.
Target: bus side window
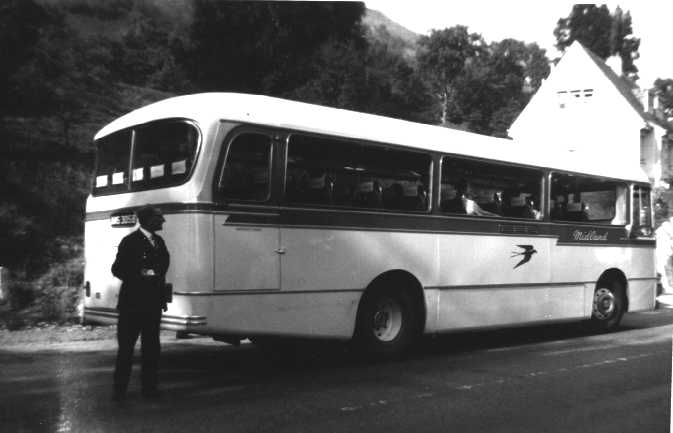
[(642, 212), (577, 198), (247, 169), (486, 189), (356, 175)]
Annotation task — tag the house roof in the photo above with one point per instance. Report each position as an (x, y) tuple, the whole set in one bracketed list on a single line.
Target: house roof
[(625, 88)]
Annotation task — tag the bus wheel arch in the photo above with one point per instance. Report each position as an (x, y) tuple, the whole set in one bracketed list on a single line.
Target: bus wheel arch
[(391, 315), (610, 301)]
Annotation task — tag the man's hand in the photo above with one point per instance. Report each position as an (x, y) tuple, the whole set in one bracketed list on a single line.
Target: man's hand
[(147, 272), (164, 307)]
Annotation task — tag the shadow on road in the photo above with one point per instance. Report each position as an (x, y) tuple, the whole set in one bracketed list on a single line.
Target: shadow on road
[(250, 364)]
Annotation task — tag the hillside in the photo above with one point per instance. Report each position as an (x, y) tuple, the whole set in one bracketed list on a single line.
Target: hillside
[(382, 29)]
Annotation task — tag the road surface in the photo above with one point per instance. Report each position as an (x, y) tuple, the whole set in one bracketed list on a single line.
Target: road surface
[(541, 379)]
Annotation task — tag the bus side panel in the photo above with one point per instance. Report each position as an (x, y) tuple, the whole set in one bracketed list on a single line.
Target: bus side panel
[(101, 241), (642, 295), (585, 264), (189, 239), (302, 314), (328, 259), (336, 266), (491, 281)]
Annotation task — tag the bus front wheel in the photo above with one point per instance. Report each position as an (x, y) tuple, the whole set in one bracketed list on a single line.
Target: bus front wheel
[(387, 323), (608, 307)]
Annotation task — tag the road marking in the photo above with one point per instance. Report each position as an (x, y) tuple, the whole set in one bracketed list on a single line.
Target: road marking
[(467, 387), (532, 374), (577, 350)]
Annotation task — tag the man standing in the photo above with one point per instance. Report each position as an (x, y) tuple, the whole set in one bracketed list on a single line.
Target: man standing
[(141, 263)]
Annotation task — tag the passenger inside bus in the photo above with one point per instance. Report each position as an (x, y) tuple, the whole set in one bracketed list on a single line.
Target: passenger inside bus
[(495, 206), (530, 210), (369, 194), (463, 201), (319, 188), (577, 211)]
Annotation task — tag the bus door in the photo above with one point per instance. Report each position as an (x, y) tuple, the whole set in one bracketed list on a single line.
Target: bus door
[(246, 226)]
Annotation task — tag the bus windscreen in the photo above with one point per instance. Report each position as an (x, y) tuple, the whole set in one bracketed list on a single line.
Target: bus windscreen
[(163, 155)]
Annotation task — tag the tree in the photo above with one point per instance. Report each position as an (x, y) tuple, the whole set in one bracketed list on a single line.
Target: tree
[(148, 52), (44, 174), (589, 24), (21, 24), (480, 87), (624, 43), (266, 47), (516, 70), (373, 79), (443, 59), (664, 88), (394, 86), (602, 32)]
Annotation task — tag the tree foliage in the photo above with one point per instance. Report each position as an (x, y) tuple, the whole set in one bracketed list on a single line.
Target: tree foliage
[(150, 51), (481, 87), (664, 89), (444, 60), (266, 47), (604, 33)]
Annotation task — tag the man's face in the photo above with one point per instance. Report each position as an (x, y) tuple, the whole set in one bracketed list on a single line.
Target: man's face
[(155, 223)]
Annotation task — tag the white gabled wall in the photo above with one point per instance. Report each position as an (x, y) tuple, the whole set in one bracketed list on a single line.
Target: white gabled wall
[(603, 126)]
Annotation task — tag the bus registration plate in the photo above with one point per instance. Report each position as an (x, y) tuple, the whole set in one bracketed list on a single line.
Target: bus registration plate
[(123, 220)]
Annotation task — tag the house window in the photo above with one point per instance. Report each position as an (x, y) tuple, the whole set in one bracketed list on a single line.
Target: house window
[(573, 97)]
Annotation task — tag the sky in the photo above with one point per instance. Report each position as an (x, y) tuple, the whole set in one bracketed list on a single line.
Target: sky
[(534, 21)]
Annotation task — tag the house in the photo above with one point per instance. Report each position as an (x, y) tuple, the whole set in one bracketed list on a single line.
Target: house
[(585, 108)]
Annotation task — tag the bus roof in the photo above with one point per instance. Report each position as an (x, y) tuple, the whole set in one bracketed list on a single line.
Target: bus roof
[(282, 113)]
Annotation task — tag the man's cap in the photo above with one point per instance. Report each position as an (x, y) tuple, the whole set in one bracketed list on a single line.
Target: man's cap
[(146, 212)]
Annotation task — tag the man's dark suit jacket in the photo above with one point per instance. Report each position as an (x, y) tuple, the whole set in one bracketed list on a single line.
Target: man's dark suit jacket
[(140, 293)]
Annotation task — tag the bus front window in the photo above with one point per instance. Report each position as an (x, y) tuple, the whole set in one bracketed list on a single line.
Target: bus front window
[(163, 154), (112, 167)]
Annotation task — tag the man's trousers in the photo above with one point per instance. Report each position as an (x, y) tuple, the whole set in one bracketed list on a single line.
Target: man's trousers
[(129, 326)]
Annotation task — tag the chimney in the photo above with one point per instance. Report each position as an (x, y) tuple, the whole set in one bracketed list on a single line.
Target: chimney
[(645, 100), (655, 102)]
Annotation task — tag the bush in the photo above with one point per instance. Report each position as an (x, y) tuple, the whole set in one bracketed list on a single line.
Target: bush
[(52, 297), (21, 294), (59, 291)]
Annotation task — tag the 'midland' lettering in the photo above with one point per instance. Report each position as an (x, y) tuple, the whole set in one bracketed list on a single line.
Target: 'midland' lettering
[(592, 235)]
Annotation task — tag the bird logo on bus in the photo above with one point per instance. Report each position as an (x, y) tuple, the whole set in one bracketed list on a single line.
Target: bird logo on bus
[(526, 254)]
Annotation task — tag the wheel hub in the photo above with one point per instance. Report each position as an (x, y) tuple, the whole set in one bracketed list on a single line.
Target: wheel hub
[(387, 320), (604, 304)]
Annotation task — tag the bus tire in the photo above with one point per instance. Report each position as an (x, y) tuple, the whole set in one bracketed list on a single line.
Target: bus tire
[(608, 306), (387, 324)]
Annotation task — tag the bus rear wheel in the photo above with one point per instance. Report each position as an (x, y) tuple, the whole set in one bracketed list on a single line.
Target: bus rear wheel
[(387, 323), (608, 307)]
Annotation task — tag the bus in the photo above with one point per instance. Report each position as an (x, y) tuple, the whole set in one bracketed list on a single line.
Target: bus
[(292, 220)]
